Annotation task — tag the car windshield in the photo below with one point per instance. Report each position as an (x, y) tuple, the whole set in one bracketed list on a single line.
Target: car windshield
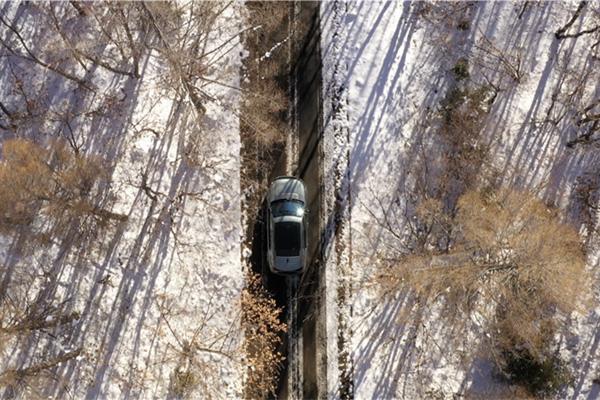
[(283, 208), (287, 239)]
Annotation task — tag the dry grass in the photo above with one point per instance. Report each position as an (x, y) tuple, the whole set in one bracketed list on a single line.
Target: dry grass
[(183, 382), (265, 98)]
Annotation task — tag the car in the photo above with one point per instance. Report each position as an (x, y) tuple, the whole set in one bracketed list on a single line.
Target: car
[(286, 226)]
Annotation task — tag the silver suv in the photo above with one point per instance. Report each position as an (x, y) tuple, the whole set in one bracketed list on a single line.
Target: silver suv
[(286, 225)]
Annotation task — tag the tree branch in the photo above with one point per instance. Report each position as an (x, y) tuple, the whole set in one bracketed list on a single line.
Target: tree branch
[(560, 33), (32, 57)]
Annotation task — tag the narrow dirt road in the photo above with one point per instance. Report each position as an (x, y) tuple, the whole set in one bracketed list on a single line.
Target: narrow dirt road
[(310, 322), (300, 377), (298, 296)]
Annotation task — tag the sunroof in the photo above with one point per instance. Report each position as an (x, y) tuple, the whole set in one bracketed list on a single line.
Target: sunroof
[(287, 239)]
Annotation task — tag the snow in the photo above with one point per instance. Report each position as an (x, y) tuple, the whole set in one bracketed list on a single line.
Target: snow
[(171, 273), (385, 65)]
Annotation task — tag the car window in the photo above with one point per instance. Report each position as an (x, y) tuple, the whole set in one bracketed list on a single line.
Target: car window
[(304, 235), (287, 239), (282, 208)]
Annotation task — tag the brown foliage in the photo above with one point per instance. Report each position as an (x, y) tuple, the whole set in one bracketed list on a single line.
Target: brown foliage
[(54, 182), (263, 330), (510, 252)]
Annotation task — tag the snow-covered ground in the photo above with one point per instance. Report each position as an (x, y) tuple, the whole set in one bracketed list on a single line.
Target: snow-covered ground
[(159, 292), (386, 66)]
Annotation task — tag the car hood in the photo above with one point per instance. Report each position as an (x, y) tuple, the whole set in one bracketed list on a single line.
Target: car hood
[(287, 189)]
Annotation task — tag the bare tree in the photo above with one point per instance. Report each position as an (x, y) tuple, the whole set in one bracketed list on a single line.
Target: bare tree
[(467, 249), (489, 57), (561, 33), (510, 254), (589, 122), (26, 314), (34, 377), (21, 49), (83, 55), (586, 196), (197, 351)]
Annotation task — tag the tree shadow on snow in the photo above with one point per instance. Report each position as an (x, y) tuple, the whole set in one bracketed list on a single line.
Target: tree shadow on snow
[(124, 261)]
